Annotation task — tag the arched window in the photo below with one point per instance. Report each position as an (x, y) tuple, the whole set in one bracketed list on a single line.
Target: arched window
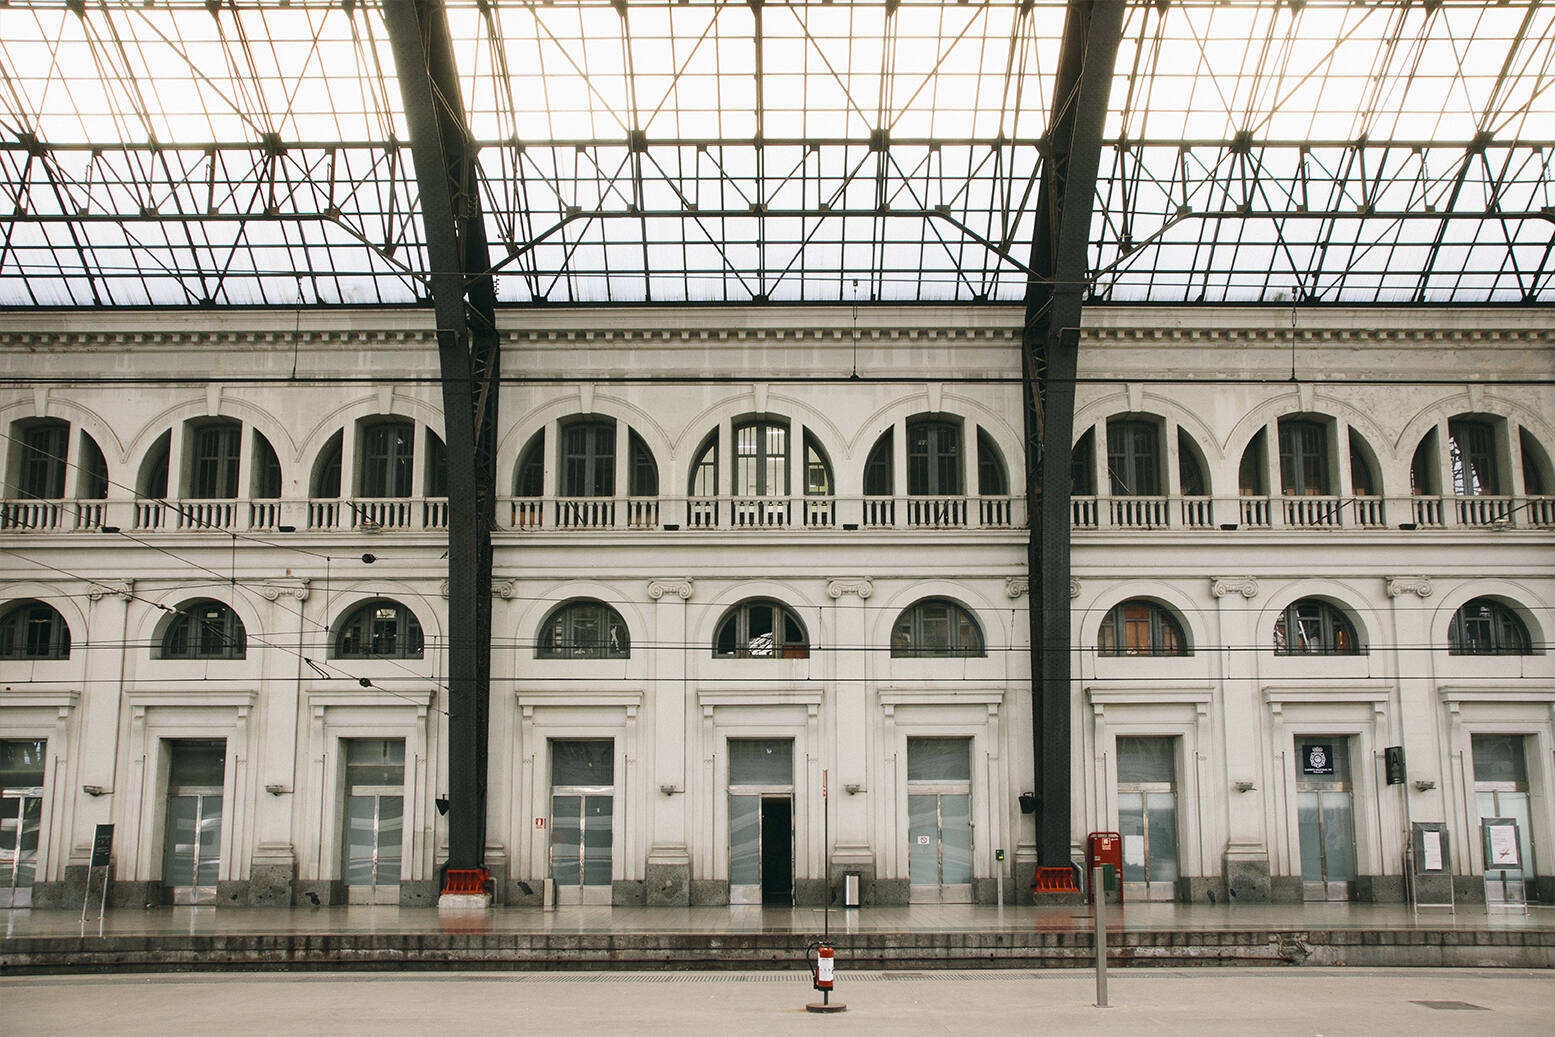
[(1251, 474), (267, 470), (1082, 467), (379, 629), (583, 629), (1191, 478), (761, 458), (588, 467), (436, 476), (1424, 478), (1140, 627), (1303, 457), (40, 472), (1472, 451), (1487, 627), (388, 458), (152, 484), (817, 469), (1537, 480), (529, 480), (933, 458), (205, 630), (879, 467), (325, 484), (216, 445), (991, 478), (643, 471), (704, 472), (1312, 626), (760, 629), (1363, 468), (935, 627), (32, 630), (1134, 457)]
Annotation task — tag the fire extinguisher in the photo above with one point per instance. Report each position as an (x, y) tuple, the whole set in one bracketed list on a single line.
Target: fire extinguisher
[(822, 965)]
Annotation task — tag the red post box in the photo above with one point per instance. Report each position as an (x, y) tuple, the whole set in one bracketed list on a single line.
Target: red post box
[(1104, 850)]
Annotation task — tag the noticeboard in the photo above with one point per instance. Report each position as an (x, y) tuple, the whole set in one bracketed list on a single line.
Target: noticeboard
[(1501, 848), (1432, 855)]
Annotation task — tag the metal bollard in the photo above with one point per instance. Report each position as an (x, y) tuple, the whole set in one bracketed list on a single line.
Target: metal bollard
[(1099, 899)]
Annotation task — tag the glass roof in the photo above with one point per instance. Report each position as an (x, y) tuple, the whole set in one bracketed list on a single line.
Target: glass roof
[(206, 152)]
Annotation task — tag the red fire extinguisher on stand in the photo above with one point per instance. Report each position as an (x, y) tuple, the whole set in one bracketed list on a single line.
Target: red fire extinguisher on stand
[(823, 963)]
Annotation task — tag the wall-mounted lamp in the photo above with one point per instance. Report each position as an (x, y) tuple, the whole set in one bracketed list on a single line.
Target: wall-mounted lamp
[(93, 790), (1028, 802), (1424, 786), (853, 790), (369, 558), (441, 802), (1244, 786), (669, 790), (277, 790)]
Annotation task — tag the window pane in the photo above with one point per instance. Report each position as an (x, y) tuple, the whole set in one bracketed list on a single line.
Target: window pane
[(1146, 760), (1499, 758), (586, 763), (939, 759), (764, 761)]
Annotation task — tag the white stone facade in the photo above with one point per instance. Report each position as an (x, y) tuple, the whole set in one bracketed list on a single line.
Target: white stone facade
[(1214, 541)]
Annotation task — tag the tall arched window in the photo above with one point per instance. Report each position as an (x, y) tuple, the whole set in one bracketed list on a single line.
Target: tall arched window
[(379, 629), (388, 458), (204, 630), (643, 471), (1485, 626), (992, 481), (1134, 457), (760, 629), (761, 458), (588, 467), (40, 471), (325, 484), (934, 458), (879, 467), (32, 630), (935, 627), (1312, 626), (216, 447), (1303, 457), (1140, 627), (1192, 479), (583, 629), (152, 483), (529, 479)]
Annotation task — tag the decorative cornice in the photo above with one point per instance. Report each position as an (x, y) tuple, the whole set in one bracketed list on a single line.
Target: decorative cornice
[(279, 338), (1246, 586), (861, 586), (274, 590), (1015, 586), (124, 590), (1398, 586), (680, 588)]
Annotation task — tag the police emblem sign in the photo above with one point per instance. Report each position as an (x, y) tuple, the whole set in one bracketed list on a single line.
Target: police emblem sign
[(1317, 758)]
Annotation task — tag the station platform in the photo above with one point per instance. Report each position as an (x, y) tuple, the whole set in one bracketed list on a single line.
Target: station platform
[(919, 936)]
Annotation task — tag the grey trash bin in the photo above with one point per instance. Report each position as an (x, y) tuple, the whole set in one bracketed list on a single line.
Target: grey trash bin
[(850, 889)]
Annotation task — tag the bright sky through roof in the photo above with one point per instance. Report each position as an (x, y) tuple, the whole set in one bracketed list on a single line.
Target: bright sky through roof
[(184, 153)]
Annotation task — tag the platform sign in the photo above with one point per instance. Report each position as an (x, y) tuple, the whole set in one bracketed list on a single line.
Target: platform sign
[(102, 846), (1393, 756)]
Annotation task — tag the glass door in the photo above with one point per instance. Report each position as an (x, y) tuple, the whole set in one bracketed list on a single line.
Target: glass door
[(192, 858), (21, 819), (1501, 790), (582, 821), (1147, 817), (375, 821), (761, 821), (939, 820), (1325, 818)]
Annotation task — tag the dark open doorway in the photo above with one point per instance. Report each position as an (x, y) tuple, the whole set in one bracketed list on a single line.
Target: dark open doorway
[(777, 850)]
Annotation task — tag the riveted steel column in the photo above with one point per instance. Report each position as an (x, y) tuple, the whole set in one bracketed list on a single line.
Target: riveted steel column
[(464, 299), (1050, 356)]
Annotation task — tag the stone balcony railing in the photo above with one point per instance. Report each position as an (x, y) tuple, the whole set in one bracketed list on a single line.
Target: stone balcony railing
[(1313, 512), (523, 514)]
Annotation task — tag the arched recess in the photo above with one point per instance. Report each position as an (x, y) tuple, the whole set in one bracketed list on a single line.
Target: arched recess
[(1528, 607)]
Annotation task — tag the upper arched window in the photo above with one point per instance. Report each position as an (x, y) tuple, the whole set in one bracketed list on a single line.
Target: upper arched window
[(529, 480), (583, 629), (205, 630), (934, 464), (1134, 457), (388, 450), (325, 483), (1082, 466), (761, 458), (1192, 479), (1472, 451), (152, 481), (41, 462), (588, 467), (761, 629), (1140, 627), (992, 480), (1304, 457), (1485, 626), (935, 627), (32, 630), (379, 629), (1312, 626), (817, 469), (879, 467)]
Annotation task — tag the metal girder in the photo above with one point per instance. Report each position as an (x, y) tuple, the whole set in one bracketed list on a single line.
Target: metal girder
[(464, 298), (1050, 342)]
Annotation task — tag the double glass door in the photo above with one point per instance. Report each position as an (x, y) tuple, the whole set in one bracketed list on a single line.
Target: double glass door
[(939, 820), (1147, 817), (582, 820), (21, 819), (192, 858), (1501, 790), (1325, 815), (375, 819), (761, 821)]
